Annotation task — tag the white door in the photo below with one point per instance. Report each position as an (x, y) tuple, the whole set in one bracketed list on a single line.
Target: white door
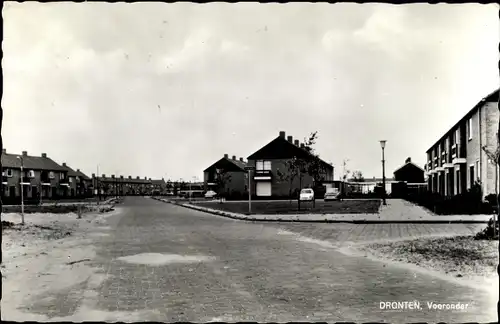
[(263, 189)]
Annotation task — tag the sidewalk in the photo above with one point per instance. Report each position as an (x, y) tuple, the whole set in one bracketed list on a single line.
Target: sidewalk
[(396, 211)]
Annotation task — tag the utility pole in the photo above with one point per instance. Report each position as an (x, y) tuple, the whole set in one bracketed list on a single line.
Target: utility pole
[(22, 189), (382, 144), (249, 169)]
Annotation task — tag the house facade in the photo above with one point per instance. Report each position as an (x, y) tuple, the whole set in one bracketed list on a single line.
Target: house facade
[(227, 176), (272, 177), (121, 186), (79, 183), (409, 173), (456, 161), (41, 177)]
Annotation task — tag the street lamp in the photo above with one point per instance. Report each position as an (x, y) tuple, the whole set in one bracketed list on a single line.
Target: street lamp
[(22, 190), (382, 145)]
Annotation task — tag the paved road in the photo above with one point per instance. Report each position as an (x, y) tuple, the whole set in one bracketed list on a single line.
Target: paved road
[(256, 274)]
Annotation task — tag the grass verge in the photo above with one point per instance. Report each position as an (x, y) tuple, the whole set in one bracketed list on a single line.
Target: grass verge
[(460, 256)]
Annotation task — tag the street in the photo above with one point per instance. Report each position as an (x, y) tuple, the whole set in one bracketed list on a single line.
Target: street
[(217, 269)]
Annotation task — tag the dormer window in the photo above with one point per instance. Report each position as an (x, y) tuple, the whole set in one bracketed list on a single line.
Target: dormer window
[(31, 174), (51, 175), (9, 173)]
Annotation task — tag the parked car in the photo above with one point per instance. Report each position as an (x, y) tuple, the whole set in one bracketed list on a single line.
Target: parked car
[(332, 194), (307, 194), (210, 194)]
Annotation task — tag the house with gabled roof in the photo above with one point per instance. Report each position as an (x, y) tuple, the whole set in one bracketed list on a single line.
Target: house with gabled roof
[(409, 173), (79, 183), (271, 172), (234, 173), (41, 176)]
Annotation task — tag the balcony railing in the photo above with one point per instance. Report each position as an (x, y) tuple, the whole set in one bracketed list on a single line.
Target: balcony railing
[(64, 180)]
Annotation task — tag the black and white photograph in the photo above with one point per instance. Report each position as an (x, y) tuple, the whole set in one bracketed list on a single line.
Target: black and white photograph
[(250, 162)]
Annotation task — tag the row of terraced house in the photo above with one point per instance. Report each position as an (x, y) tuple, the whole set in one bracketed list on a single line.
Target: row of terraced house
[(460, 159), (269, 178), (40, 177)]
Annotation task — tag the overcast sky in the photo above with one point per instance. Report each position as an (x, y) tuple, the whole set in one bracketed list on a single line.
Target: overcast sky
[(164, 90)]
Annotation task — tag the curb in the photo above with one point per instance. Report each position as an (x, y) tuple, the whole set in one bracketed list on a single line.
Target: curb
[(325, 221)]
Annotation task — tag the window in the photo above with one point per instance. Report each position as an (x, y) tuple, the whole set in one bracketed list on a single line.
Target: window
[(478, 170), (61, 176), (469, 128), (31, 174), (70, 179), (9, 173), (472, 174), (455, 137), (51, 175), (263, 166)]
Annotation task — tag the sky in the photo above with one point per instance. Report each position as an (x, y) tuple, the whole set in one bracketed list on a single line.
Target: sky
[(164, 90)]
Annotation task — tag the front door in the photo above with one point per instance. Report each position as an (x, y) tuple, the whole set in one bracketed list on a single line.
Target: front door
[(263, 189), (12, 191), (54, 192), (34, 192)]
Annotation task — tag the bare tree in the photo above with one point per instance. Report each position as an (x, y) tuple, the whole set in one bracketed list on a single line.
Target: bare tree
[(222, 177), (290, 174)]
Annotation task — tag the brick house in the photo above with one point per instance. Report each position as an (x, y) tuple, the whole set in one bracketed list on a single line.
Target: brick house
[(112, 186), (236, 184), (456, 161), (272, 158), (41, 176), (409, 173), (159, 186), (79, 183)]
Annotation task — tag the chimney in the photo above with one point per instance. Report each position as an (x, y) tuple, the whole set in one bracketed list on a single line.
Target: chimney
[(145, 178), (408, 160), (282, 134), (121, 177), (296, 143), (25, 153), (137, 177), (241, 159), (103, 175), (4, 150), (77, 170), (149, 179), (44, 155), (113, 176), (64, 164), (130, 177), (302, 145), (234, 157), (93, 175), (226, 156), (290, 139)]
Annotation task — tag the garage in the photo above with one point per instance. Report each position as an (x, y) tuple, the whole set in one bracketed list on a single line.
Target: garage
[(263, 189)]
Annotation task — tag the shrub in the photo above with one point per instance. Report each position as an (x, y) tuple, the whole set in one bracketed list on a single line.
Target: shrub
[(487, 233)]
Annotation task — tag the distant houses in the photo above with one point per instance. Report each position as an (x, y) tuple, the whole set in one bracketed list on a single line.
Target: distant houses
[(44, 179)]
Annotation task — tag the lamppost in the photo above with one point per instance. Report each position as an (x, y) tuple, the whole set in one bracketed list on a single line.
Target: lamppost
[(22, 190), (382, 145)]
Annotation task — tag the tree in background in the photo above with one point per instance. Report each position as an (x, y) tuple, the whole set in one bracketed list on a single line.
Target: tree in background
[(494, 157), (222, 177), (291, 173), (357, 176)]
